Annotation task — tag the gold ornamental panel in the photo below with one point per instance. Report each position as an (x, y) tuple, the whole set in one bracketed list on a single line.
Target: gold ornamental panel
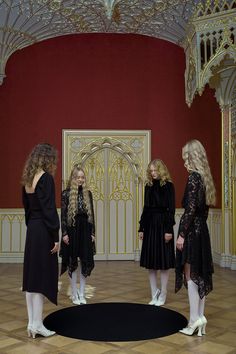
[(115, 164)]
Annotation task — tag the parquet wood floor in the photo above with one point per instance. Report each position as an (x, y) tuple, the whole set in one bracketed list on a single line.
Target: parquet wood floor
[(122, 281)]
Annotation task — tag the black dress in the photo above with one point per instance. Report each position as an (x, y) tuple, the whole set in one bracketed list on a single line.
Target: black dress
[(80, 239), (158, 218), (197, 247), (40, 272)]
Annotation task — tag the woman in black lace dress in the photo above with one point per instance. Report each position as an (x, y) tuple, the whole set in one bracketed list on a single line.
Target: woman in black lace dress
[(78, 232), (40, 272), (156, 229), (194, 264)]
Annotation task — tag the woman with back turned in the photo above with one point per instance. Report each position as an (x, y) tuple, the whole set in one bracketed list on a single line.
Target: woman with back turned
[(40, 273), (194, 264)]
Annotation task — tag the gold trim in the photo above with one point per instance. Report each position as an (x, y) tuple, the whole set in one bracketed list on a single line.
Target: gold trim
[(137, 216), (229, 180), (125, 238), (234, 218), (222, 182)]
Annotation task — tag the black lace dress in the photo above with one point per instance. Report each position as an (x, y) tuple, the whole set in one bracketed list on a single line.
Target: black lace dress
[(197, 247), (158, 218), (40, 272), (80, 236)]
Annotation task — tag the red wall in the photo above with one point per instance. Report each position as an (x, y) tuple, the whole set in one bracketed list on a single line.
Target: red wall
[(101, 81)]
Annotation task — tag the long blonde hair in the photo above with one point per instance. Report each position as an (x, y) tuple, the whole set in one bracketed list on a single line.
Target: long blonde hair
[(73, 195), (195, 158), (162, 170), (42, 157)]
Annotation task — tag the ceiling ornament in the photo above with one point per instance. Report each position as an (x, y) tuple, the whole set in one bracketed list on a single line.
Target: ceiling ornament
[(112, 10), (25, 22)]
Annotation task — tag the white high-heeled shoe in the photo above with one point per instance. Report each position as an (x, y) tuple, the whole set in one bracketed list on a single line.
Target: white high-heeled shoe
[(75, 299), (155, 297), (191, 329), (204, 323), (42, 331), (161, 299), (82, 299)]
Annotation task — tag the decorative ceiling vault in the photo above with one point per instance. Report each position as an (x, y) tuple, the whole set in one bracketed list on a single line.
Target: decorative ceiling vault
[(206, 29), (25, 22)]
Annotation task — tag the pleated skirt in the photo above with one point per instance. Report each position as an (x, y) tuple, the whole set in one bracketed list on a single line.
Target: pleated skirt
[(155, 252)]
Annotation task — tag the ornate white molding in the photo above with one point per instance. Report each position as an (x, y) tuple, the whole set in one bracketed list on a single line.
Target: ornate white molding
[(13, 230)]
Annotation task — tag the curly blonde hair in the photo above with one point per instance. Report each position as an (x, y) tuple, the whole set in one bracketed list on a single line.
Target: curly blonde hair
[(42, 157), (162, 170), (73, 196), (195, 158)]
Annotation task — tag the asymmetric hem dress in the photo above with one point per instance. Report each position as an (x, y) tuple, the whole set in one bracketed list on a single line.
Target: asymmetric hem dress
[(40, 271), (80, 236), (158, 218), (197, 246)]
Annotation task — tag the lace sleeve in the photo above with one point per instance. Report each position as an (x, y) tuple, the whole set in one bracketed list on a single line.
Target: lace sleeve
[(92, 213), (64, 209), (190, 204)]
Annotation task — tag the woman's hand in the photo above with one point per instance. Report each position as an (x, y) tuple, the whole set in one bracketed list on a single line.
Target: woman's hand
[(66, 239), (93, 238), (140, 235), (55, 248), (180, 243), (168, 237)]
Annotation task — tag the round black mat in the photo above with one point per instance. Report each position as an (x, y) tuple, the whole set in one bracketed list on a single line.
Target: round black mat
[(115, 322)]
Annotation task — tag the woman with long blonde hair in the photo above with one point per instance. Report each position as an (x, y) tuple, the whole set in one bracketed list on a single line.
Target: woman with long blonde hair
[(78, 232), (156, 229), (40, 272), (194, 266)]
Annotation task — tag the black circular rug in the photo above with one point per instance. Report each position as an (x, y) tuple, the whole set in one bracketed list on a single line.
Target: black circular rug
[(115, 322)]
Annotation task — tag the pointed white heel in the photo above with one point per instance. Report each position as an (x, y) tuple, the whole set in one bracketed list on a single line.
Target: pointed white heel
[(191, 329), (155, 297), (204, 323)]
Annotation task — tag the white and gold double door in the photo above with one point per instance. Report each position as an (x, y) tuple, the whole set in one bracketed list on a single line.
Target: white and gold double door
[(115, 163)]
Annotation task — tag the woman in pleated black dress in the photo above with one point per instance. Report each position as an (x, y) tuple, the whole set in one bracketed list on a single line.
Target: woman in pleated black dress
[(78, 232), (156, 229), (194, 266), (40, 272)]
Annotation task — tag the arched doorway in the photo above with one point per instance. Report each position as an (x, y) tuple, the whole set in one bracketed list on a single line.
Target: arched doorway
[(115, 164)]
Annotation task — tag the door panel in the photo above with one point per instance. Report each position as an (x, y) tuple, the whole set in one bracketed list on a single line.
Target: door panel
[(115, 169)]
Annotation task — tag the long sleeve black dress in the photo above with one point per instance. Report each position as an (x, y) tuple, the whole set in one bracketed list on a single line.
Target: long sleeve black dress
[(158, 218), (80, 239), (40, 272), (197, 247)]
